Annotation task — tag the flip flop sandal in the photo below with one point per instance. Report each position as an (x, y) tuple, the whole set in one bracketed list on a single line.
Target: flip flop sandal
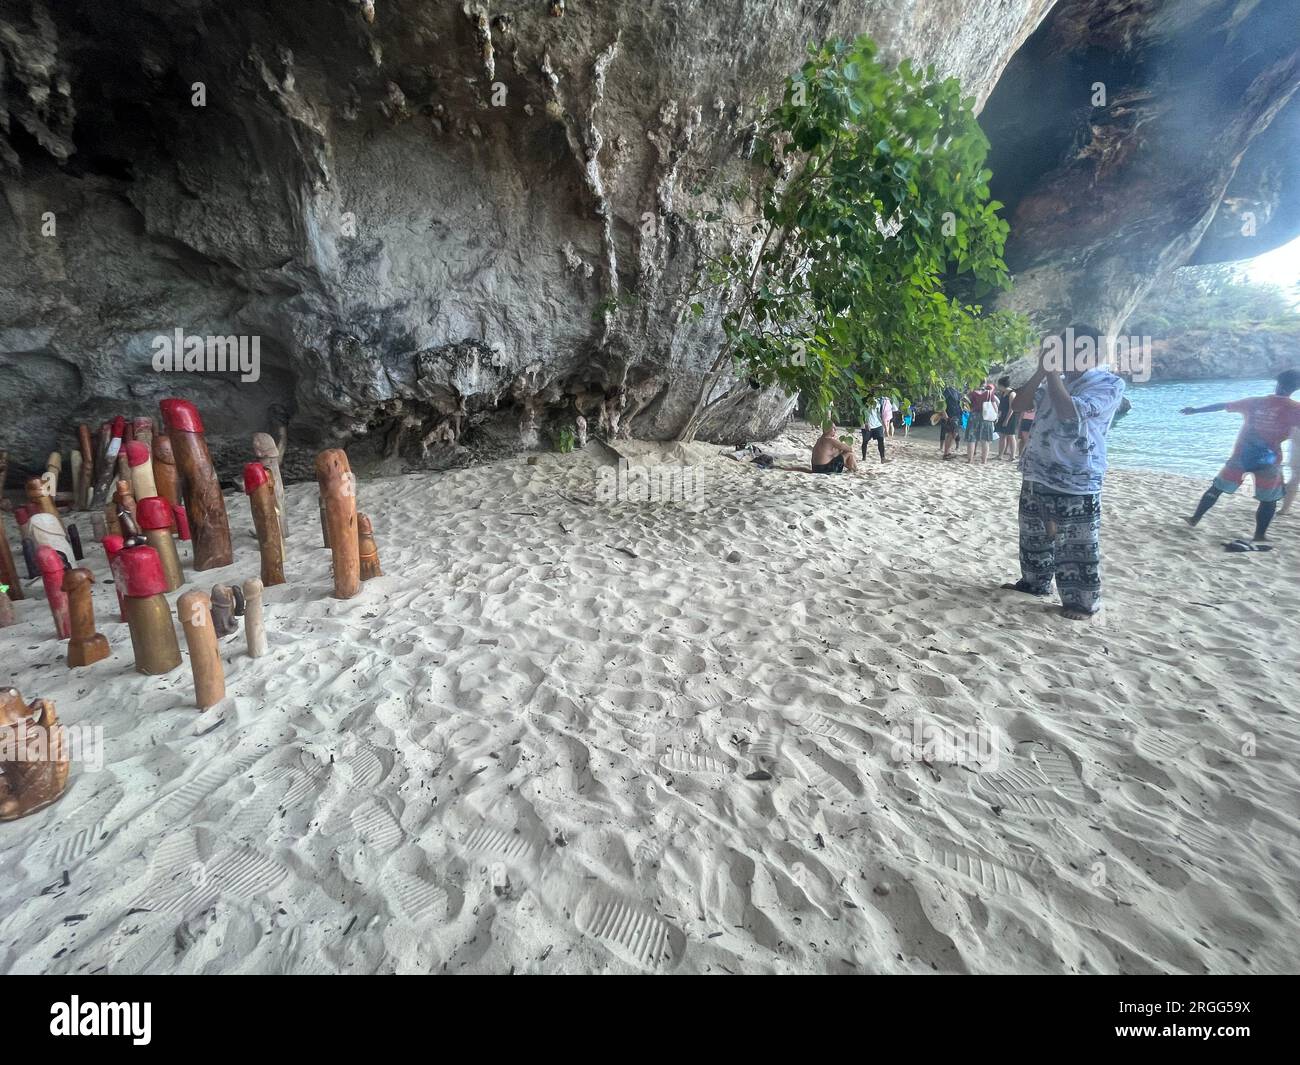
[(1246, 545), (1020, 586)]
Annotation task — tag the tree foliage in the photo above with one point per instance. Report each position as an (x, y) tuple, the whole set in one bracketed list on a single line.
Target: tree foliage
[(875, 196), (1213, 297)]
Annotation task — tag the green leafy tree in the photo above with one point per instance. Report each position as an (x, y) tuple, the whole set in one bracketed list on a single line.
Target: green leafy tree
[(876, 196), (1220, 296)]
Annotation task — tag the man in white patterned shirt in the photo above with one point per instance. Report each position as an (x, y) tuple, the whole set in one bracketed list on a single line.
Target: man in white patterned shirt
[(1076, 397)]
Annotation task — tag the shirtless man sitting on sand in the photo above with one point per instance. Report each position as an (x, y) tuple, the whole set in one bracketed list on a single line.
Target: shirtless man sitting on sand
[(830, 454)]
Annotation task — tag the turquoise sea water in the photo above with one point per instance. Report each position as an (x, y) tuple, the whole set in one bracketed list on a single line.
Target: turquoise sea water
[(1155, 436)]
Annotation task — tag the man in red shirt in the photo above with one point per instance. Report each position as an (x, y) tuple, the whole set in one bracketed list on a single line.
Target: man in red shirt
[(1270, 421)]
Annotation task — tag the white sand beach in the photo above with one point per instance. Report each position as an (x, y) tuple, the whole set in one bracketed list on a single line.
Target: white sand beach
[(528, 746)]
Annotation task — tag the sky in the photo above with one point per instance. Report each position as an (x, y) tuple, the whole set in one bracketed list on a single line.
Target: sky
[(1281, 266)]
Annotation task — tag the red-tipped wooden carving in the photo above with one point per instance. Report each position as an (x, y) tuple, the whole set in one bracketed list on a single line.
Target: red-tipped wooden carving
[(260, 486), (139, 572), (338, 494), (155, 518), (33, 756), (86, 645), (195, 613), (203, 502), (51, 566), (140, 459)]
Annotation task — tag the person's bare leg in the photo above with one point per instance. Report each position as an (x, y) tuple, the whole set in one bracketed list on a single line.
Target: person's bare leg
[(984, 452), (850, 461)]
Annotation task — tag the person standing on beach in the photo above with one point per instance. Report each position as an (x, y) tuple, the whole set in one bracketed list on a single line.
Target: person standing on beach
[(983, 419), (1270, 421), (950, 428), (1025, 425), (1076, 396), (887, 417), (873, 427), (1007, 419)]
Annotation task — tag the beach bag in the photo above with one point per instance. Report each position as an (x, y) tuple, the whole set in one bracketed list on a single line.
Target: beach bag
[(1257, 455), (989, 410)]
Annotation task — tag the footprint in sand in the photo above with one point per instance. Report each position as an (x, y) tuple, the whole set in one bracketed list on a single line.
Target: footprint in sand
[(418, 899), (178, 803), (630, 932), (140, 941), (820, 725), (59, 853), (418, 893), (1059, 769), (989, 875), (706, 691), (1161, 745), (376, 827), (513, 846), (826, 775), (364, 768), (190, 870), (1025, 790), (1203, 839), (691, 764), (75, 847)]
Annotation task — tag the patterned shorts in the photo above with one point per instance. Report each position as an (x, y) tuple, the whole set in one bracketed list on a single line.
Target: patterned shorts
[(1269, 487)]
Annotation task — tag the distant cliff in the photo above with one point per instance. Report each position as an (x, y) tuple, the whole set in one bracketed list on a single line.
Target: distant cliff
[(1201, 354)]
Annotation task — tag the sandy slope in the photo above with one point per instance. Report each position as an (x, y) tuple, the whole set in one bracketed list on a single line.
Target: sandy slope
[(526, 746)]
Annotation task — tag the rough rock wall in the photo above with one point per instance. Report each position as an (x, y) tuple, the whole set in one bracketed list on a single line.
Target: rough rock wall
[(1131, 137), (424, 211)]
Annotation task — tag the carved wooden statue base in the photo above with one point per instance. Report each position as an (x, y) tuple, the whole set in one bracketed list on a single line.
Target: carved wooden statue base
[(33, 757)]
